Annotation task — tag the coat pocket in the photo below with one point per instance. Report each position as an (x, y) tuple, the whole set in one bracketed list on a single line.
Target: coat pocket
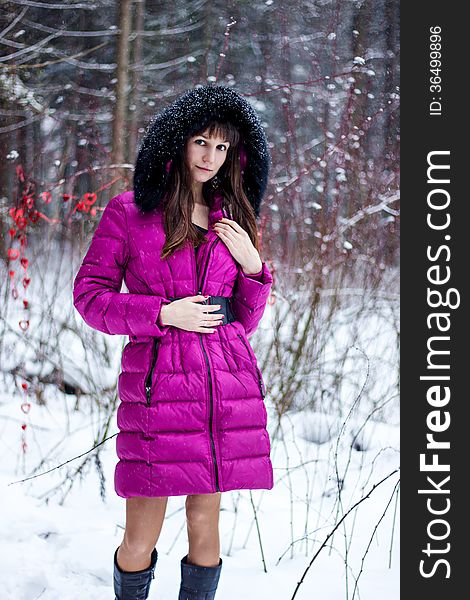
[(251, 354), (148, 378), (261, 382)]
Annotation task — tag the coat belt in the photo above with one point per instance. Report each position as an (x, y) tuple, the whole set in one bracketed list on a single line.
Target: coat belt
[(225, 306)]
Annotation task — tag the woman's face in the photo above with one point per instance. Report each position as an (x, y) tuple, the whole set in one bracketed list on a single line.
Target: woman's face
[(205, 156)]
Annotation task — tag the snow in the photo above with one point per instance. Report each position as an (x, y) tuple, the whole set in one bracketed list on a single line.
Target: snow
[(59, 543), (52, 551), (12, 155)]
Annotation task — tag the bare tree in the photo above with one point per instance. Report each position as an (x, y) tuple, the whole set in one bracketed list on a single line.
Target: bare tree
[(122, 94)]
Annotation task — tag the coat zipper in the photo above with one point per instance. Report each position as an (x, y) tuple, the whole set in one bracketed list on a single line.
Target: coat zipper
[(148, 379), (260, 381), (212, 246), (214, 456)]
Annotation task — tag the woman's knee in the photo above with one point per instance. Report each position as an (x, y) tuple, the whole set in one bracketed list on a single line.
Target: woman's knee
[(202, 510), (144, 520)]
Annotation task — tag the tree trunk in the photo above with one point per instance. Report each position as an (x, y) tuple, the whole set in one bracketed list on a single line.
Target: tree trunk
[(122, 90), (135, 96)]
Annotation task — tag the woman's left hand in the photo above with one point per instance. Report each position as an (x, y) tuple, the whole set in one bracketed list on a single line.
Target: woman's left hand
[(239, 244)]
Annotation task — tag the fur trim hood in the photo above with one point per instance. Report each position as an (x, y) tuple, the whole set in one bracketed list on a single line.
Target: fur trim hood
[(193, 110)]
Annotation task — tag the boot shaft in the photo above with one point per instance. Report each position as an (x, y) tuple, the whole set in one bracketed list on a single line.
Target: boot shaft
[(134, 585), (198, 582)]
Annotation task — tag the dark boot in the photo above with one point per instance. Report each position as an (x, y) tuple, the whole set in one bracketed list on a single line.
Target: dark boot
[(197, 582), (134, 585)]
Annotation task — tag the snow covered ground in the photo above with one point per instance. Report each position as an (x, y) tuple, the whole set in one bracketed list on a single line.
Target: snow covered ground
[(52, 551)]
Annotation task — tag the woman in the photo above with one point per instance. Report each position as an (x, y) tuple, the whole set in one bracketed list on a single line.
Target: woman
[(192, 417)]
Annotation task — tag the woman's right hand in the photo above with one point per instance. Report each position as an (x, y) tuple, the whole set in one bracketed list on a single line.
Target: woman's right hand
[(187, 313)]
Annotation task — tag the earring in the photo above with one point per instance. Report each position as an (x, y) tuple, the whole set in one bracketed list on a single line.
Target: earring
[(215, 182)]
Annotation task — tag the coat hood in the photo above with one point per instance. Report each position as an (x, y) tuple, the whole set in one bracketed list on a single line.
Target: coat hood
[(190, 112)]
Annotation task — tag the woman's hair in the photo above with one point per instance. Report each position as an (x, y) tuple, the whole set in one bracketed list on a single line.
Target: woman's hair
[(178, 202)]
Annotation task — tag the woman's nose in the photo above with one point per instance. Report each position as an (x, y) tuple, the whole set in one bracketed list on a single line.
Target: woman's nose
[(209, 157)]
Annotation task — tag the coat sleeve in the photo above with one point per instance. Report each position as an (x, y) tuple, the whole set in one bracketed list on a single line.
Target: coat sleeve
[(97, 285), (250, 296)]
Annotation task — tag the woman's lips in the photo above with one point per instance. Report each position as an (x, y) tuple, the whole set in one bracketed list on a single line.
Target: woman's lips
[(208, 170)]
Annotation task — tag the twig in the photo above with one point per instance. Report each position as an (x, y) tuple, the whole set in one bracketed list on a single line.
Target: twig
[(372, 537), (65, 463), (259, 533), (374, 487), (393, 529)]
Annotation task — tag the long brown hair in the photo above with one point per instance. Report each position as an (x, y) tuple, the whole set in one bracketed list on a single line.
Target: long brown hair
[(179, 200)]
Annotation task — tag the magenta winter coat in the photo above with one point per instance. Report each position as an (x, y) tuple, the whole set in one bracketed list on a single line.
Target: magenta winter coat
[(202, 426)]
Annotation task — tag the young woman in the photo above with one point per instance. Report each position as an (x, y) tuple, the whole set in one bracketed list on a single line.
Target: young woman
[(192, 419)]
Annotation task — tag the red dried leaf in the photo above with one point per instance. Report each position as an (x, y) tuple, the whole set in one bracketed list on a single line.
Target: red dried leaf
[(29, 201), (89, 198), (34, 216), (46, 197), (24, 324), (20, 173)]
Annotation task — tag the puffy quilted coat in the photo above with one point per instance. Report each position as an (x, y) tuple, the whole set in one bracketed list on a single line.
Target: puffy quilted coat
[(191, 416)]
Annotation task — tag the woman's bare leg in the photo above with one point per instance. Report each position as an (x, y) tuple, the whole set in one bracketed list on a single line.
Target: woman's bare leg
[(144, 520), (202, 519)]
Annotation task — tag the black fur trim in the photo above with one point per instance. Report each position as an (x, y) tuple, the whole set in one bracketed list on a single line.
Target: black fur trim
[(193, 110)]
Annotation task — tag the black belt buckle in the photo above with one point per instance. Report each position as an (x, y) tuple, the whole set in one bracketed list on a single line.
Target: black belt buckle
[(221, 311), (225, 308)]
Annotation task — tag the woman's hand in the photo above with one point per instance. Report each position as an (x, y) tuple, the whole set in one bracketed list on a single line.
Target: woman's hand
[(187, 313), (239, 244)]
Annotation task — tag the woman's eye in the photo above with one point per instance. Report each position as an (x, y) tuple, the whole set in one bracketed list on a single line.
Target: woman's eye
[(204, 141)]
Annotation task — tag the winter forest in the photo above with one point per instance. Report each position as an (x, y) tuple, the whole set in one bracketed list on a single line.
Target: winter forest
[(79, 82)]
